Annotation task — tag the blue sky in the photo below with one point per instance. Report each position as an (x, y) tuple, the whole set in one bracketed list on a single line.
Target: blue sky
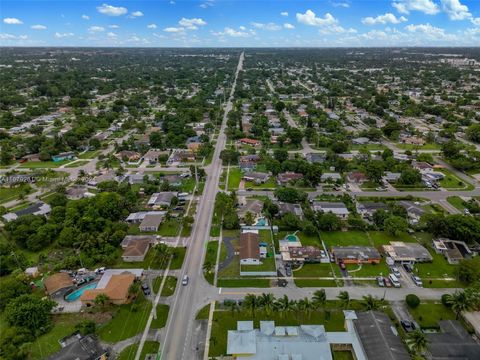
[(187, 23)]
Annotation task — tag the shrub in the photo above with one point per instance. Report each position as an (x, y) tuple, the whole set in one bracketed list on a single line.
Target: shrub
[(412, 301), (445, 300)]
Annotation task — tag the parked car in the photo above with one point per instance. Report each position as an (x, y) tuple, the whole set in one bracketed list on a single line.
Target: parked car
[(288, 269), (146, 289), (342, 265), (395, 271), (408, 325), (380, 281), (185, 280), (394, 280), (408, 268), (388, 283), (100, 270), (417, 280)]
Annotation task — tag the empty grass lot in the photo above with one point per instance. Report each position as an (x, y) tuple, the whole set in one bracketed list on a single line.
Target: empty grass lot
[(428, 314), (457, 202), (452, 182), (317, 283), (314, 270), (149, 347), (43, 164), (345, 238), (168, 287), (234, 177), (12, 193)]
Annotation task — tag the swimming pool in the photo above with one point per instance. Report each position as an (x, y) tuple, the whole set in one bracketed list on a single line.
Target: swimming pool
[(261, 222), (77, 293), (292, 237)]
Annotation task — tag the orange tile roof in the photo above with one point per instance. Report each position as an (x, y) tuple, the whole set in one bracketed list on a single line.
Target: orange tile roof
[(116, 289)]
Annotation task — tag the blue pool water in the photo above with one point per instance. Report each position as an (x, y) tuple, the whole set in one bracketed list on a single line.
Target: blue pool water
[(261, 222), (77, 293)]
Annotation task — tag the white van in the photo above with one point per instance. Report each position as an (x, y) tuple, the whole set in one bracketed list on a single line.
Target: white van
[(394, 280)]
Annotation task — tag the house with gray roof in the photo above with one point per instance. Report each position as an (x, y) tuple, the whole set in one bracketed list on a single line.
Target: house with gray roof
[(337, 208)]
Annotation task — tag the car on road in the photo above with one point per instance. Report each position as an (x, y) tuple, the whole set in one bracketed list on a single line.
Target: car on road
[(146, 289), (417, 280), (185, 280), (380, 281), (408, 326), (381, 189)]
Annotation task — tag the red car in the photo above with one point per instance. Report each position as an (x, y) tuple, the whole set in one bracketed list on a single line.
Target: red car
[(388, 283)]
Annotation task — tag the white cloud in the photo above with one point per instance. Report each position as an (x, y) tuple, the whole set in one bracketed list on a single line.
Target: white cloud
[(383, 19), (270, 26), (63, 35), (151, 26), (174, 29), (284, 13), (85, 17), (12, 21), (4, 36), (191, 24), (341, 4), (455, 10), (110, 10), (113, 26), (309, 18), (288, 26), (228, 31), (38, 27), (425, 6), (96, 29), (111, 35), (475, 21), (337, 29), (243, 28), (429, 31), (207, 4), (137, 14)]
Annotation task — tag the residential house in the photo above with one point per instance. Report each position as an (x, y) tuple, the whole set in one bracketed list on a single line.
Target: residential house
[(57, 283), (253, 206), (367, 209), (288, 177), (135, 248), (64, 156), (287, 208), (391, 177), (250, 142), (361, 141), (129, 156), (39, 208), (78, 192), (137, 217), (304, 254), (180, 155), (161, 199), (116, 289), (249, 249), (356, 254), (316, 158), (453, 250), (256, 177), (337, 208), (330, 177), (152, 156), (151, 222), (108, 175), (248, 162), (414, 211), (401, 252), (357, 177), (80, 347)]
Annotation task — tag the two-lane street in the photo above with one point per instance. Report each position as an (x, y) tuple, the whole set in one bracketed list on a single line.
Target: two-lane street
[(177, 343)]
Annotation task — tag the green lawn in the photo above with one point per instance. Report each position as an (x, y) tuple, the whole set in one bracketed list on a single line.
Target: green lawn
[(203, 313), (268, 264), (168, 287), (77, 163), (233, 283), (169, 228), (152, 261), (43, 164), (457, 202), (368, 270), (382, 238), (344, 238), (89, 154), (224, 320), (342, 355), (211, 257), (162, 316), (128, 321), (12, 193), (269, 184), (451, 181), (314, 270), (428, 314), (234, 178), (428, 146), (307, 240), (149, 347), (438, 268), (63, 325)]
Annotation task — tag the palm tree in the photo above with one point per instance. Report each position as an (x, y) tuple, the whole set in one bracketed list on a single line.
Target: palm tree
[(371, 303), (459, 302), (233, 306), (267, 301), (249, 218), (319, 298), (101, 299), (344, 298), (306, 305), (251, 303), (283, 305), (417, 341)]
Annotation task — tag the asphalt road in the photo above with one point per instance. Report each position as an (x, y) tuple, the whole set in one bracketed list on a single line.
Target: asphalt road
[(177, 344)]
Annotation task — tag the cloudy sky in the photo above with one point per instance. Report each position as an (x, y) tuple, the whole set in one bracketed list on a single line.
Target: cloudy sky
[(319, 23)]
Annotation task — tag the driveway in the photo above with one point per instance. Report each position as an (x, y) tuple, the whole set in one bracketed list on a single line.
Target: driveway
[(227, 242)]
